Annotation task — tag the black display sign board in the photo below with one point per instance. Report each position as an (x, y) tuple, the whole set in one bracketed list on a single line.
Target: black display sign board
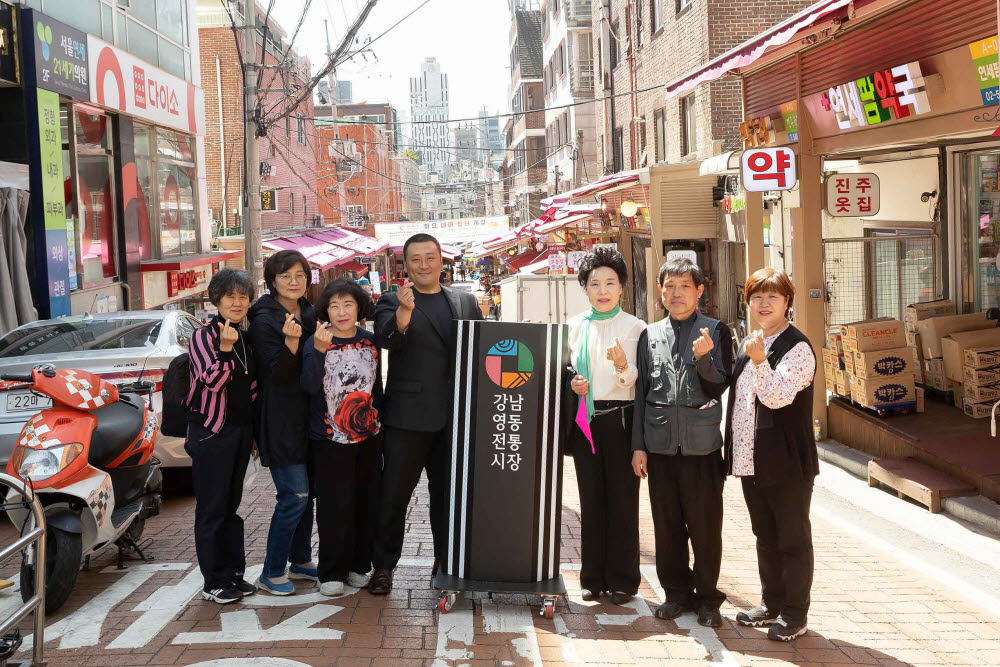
[(60, 56), (506, 493)]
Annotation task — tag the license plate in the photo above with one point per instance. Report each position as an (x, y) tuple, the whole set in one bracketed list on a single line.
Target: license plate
[(27, 402)]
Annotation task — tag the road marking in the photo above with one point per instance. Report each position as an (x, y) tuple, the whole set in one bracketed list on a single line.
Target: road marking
[(244, 626), (249, 662), (159, 609), (514, 619), (83, 626), (637, 603), (454, 627), (707, 637)]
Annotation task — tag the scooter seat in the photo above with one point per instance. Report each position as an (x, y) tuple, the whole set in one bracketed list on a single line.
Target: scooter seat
[(118, 425)]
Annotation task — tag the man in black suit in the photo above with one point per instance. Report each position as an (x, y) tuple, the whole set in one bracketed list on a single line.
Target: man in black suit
[(417, 326)]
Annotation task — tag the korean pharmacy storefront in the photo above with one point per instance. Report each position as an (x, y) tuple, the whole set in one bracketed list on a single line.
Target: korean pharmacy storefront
[(904, 102), (116, 170)]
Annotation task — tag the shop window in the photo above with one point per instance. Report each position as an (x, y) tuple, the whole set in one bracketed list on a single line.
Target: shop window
[(689, 126), (176, 178), (91, 190), (145, 192)]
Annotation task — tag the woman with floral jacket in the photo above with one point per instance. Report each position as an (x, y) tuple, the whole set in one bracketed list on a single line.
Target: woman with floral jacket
[(342, 373)]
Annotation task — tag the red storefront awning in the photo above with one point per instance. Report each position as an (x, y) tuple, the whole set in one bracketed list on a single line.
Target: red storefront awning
[(319, 254), (518, 262), (595, 188), (355, 267), (558, 224), (361, 244), (751, 50)]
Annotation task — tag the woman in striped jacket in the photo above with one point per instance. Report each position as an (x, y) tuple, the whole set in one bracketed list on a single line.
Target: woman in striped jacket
[(220, 435)]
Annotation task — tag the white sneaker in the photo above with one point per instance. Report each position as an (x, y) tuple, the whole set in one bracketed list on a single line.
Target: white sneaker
[(359, 580), (331, 588)]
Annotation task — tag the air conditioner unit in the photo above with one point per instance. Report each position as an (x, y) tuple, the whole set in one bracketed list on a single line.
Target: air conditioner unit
[(318, 220)]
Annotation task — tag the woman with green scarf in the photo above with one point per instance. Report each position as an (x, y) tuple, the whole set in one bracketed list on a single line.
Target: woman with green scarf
[(602, 350)]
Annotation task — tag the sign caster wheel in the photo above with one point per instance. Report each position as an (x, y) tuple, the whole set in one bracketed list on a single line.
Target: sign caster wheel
[(548, 609), (446, 602)]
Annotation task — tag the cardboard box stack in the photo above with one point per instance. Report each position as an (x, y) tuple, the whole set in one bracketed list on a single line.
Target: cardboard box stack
[(878, 364), (914, 314), (942, 339), (981, 379), (833, 364)]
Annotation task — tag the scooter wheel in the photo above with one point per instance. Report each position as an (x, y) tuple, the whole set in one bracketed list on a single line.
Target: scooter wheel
[(63, 551)]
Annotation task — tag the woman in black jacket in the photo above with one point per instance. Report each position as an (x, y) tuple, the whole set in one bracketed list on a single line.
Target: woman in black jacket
[(279, 322), (770, 447)]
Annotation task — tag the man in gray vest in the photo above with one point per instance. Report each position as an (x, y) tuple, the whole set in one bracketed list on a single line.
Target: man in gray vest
[(684, 362)]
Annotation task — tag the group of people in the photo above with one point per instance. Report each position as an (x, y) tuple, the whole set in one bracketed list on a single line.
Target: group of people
[(304, 382), (649, 406)]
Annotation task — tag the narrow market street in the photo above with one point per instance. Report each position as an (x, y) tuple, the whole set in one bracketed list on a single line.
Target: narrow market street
[(894, 585)]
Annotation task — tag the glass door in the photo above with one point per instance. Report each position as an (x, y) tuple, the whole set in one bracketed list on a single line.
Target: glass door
[(981, 228)]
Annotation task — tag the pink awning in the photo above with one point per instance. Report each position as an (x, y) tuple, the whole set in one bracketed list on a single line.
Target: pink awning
[(598, 186), (751, 50), (363, 245), (556, 225), (320, 254)]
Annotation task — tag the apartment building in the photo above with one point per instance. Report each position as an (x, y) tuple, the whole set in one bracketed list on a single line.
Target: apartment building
[(527, 155)]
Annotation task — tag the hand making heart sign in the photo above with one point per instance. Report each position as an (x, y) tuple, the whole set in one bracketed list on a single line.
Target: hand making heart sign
[(616, 355), (703, 345)]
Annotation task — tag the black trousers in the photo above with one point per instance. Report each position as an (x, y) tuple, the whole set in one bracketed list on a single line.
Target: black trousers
[(218, 465), (609, 504), (685, 496), (406, 453), (779, 517), (347, 479)]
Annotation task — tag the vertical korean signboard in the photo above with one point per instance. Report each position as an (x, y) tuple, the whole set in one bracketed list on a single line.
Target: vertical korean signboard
[(507, 470), (53, 201)]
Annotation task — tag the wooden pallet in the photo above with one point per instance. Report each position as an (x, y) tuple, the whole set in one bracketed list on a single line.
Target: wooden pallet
[(912, 479)]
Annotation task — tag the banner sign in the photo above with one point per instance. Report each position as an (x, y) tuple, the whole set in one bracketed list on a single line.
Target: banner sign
[(456, 230), (53, 202), (268, 200), (60, 56), (505, 445), (984, 60), (852, 195), (119, 80)]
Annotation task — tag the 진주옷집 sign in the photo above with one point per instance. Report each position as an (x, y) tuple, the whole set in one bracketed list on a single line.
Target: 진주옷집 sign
[(852, 195), (885, 95), (766, 169), (60, 52)]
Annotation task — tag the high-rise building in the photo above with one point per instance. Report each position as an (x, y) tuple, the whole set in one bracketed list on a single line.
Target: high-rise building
[(429, 113), (491, 144), (345, 92), (466, 144)]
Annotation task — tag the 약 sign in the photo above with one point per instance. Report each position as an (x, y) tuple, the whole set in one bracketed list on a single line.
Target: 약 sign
[(852, 195), (767, 169), (886, 95)]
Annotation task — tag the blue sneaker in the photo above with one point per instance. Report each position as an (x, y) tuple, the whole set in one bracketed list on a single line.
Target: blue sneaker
[(276, 585), (303, 571)]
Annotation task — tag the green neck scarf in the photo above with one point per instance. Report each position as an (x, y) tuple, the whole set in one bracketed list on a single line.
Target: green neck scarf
[(583, 352)]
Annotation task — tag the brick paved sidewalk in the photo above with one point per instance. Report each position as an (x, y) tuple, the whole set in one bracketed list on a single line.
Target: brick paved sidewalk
[(867, 609)]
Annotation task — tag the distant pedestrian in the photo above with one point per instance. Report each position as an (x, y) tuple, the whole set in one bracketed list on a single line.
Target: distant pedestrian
[(220, 435), (770, 446), (417, 326), (279, 321), (342, 373)]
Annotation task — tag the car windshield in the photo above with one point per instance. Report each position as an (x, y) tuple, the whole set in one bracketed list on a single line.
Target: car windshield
[(80, 335)]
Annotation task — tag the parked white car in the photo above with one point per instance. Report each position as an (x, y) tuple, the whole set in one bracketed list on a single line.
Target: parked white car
[(119, 347)]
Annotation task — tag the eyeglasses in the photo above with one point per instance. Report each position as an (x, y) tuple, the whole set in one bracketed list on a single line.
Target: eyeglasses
[(292, 277)]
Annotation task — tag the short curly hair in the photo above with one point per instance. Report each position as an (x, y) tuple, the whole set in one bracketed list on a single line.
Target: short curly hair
[(230, 281), (602, 256), (344, 287)]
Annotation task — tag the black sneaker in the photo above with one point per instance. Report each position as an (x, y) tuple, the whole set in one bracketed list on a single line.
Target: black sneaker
[(619, 598), (381, 583), (784, 631), (710, 618), (668, 611), (225, 595), (756, 617), (589, 595), (245, 587)]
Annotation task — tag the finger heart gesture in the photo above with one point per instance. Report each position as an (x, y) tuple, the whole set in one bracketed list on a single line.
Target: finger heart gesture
[(703, 345), (227, 337), (292, 329), (323, 336), (616, 354)]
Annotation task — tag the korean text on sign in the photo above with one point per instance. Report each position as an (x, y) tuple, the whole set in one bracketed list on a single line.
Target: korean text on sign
[(766, 169), (852, 195), (506, 437)]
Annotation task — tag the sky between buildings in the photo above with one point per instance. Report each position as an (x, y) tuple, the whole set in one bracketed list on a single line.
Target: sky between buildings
[(468, 37)]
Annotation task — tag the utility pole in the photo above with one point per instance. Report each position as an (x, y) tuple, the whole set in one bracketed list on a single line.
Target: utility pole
[(556, 173), (252, 232), (576, 158)]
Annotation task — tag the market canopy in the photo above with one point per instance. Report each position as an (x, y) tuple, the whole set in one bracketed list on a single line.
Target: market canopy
[(751, 50), (363, 245), (447, 251), (603, 184), (319, 254)]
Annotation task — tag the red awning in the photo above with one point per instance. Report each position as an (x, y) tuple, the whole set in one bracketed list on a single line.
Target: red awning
[(354, 267), (320, 254), (595, 188), (560, 223), (518, 262), (361, 244), (447, 251), (751, 50)]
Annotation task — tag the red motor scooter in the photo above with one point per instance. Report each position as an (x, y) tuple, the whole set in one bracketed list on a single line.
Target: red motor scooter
[(89, 460)]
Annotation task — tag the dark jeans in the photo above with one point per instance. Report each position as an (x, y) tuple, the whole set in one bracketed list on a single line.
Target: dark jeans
[(609, 504), (290, 535), (406, 453), (779, 516), (346, 504), (685, 496), (218, 465)]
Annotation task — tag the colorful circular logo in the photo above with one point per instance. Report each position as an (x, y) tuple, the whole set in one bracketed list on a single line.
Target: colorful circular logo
[(509, 364)]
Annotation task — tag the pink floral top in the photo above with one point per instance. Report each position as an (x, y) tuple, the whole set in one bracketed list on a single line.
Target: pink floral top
[(776, 388)]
